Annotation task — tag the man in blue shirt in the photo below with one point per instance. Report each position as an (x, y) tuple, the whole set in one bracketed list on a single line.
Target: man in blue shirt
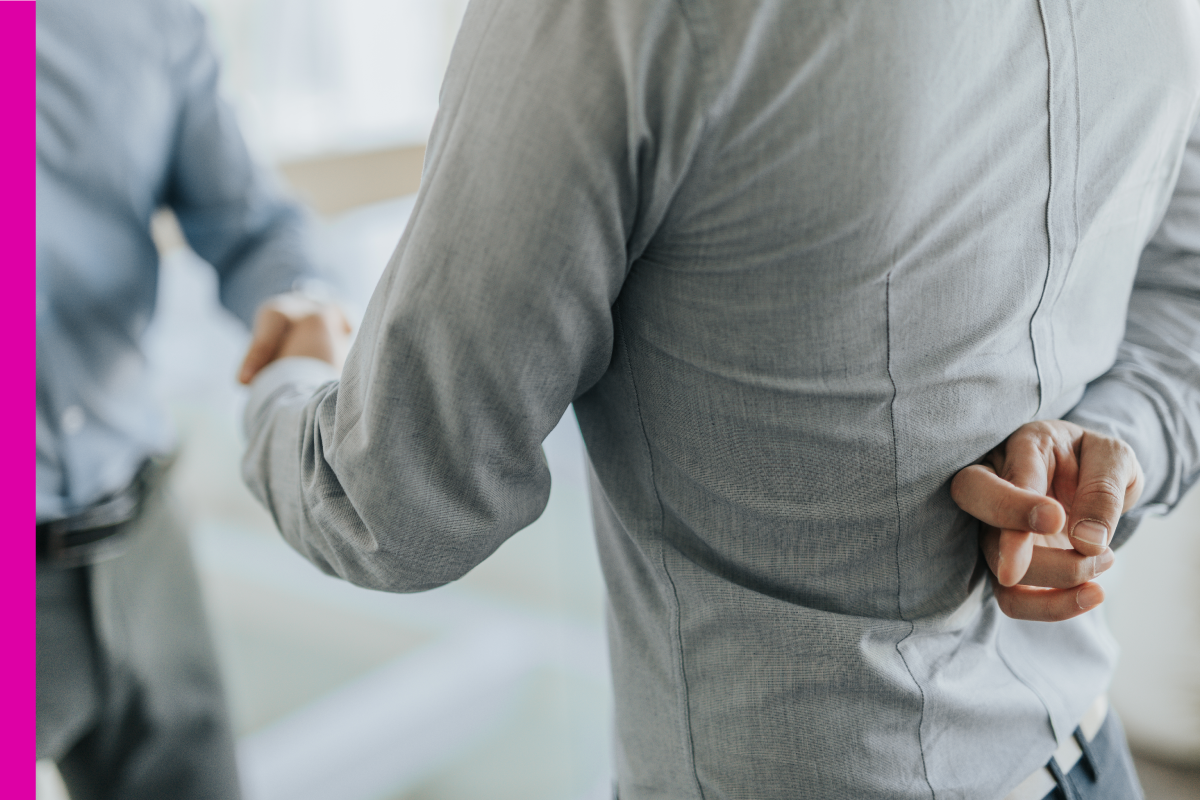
[(129, 700)]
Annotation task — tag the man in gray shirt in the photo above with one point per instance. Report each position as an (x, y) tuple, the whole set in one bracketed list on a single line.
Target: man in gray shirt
[(809, 273)]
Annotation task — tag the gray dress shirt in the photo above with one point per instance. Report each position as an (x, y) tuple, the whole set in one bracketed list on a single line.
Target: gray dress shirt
[(128, 120), (795, 264)]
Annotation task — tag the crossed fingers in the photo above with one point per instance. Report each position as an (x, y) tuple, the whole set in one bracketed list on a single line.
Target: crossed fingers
[(1049, 498)]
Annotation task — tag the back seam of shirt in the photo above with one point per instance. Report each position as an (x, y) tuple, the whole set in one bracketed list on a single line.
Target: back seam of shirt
[(1050, 194), (899, 527), (619, 323)]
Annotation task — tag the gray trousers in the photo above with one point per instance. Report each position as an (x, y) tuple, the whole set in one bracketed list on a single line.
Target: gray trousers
[(129, 700)]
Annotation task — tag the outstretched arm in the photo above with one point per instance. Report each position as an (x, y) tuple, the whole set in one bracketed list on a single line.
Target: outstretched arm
[(496, 309)]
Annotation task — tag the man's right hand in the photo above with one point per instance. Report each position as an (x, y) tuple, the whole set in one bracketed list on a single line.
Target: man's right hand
[(296, 325), (1049, 498)]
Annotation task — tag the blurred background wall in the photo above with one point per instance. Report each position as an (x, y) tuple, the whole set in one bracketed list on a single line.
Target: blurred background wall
[(313, 77), (496, 686)]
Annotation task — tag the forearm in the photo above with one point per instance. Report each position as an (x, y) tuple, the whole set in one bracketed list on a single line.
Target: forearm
[(378, 484), (357, 524), (1150, 401), (231, 210), (256, 264), (1150, 398)]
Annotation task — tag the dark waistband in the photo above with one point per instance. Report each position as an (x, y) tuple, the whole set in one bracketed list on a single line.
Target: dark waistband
[(96, 533)]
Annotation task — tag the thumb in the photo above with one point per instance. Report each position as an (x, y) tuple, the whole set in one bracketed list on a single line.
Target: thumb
[(270, 326)]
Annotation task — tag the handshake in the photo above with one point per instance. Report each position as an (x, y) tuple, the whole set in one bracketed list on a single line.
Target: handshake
[(295, 324)]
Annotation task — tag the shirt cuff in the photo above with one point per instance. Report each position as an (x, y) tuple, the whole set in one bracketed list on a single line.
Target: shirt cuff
[(294, 375)]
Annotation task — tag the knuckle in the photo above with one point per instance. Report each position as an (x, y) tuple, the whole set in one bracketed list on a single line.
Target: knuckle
[(1102, 492), (1021, 437), (1038, 428), (1043, 436), (1112, 449), (1128, 459), (996, 509)]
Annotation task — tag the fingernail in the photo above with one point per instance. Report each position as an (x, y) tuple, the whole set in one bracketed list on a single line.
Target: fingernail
[(1102, 562), (1090, 531), (1042, 511), (1089, 596)]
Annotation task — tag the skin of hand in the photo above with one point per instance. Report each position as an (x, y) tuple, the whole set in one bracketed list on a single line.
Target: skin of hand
[(295, 325), (1049, 498)]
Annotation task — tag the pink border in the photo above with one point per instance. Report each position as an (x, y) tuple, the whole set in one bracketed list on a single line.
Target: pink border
[(17, 193)]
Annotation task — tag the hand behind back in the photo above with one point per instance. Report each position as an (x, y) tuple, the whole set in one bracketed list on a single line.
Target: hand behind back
[(1049, 498)]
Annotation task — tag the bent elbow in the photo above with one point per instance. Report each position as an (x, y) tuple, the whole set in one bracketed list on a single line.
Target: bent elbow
[(407, 570)]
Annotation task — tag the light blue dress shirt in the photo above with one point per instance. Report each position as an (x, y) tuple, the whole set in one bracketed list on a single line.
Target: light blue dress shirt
[(795, 264), (128, 120)]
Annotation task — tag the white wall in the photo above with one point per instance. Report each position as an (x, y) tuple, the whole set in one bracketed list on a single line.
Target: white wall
[(317, 76)]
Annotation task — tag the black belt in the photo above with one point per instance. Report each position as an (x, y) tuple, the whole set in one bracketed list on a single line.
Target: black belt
[(99, 532)]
